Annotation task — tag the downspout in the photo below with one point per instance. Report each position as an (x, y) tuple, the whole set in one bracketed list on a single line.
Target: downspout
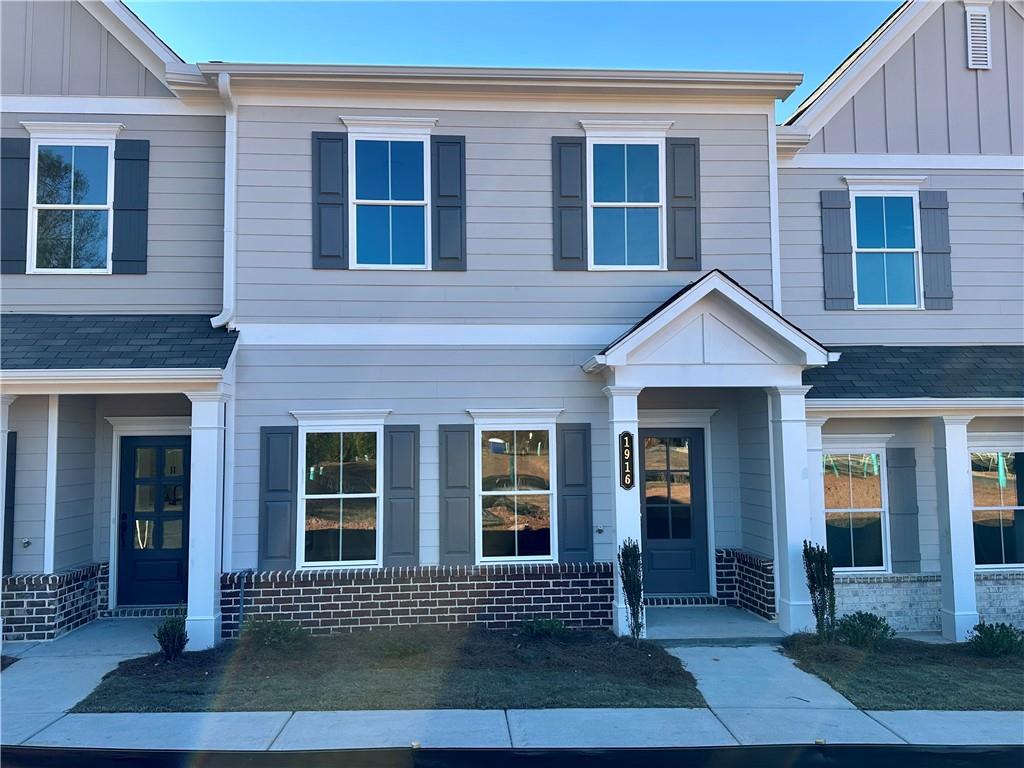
[(230, 191)]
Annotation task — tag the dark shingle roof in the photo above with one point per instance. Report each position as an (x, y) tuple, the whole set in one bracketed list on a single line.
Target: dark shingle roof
[(881, 371), (36, 342)]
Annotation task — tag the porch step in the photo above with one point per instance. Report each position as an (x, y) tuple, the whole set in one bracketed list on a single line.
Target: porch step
[(142, 611)]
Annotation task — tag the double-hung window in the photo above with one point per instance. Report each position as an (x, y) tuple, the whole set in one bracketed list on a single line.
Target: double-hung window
[(71, 197), (856, 508), (997, 478), (389, 175)]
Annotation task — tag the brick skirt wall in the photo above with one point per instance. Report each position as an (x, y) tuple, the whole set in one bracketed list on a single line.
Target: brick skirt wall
[(910, 602), (497, 596), (746, 580), (45, 606), (1000, 596)]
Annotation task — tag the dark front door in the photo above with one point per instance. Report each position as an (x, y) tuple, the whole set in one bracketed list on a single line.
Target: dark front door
[(674, 512), (152, 567)]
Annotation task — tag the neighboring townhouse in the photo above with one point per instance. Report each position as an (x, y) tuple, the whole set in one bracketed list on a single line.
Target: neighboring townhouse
[(477, 327)]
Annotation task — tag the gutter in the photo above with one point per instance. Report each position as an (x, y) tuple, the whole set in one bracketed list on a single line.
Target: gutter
[(227, 315)]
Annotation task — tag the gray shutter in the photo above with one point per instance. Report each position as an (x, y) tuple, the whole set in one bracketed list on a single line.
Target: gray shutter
[(131, 207), (13, 205), (9, 470), (683, 188), (458, 506), (330, 205), (575, 516), (279, 497), (837, 248), (901, 468), (448, 203), (401, 495), (569, 204), (935, 250)]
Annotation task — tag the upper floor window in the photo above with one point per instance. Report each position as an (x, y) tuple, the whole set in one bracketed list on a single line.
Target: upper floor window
[(997, 479), (855, 508)]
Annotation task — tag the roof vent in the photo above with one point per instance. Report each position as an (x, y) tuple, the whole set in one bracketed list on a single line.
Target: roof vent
[(979, 37)]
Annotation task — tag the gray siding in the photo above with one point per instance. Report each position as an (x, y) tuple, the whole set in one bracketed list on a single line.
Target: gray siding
[(186, 226), (58, 48), (986, 223), (755, 477), (509, 225), (28, 417), (76, 453), (925, 100)]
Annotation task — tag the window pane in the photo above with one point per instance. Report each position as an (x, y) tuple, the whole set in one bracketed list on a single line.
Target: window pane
[(1013, 536), (865, 481), (870, 278), (359, 470), (497, 461), (372, 238), (655, 453), (656, 486), (144, 538), (985, 479), (533, 526), (988, 547), (407, 235), (359, 529), (145, 462), (609, 173), (610, 236), (867, 539), (172, 534), (642, 237), (90, 240), (90, 185), (174, 462), (900, 278), (642, 173), (533, 460), (323, 526), (836, 470), (323, 465), (54, 173), (174, 498), (53, 243), (870, 230), (682, 524), (837, 538), (407, 170), (658, 526), (1013, 492), (498, 523), (371, 170), (145, 498), (899, 222)]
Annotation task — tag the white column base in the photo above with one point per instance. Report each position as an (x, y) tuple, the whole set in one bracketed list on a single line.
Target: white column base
[(956, 626), (795, 617), (203, 632), (621, 620)]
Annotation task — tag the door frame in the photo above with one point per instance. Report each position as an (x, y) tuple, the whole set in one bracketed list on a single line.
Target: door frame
[(133, 426), (671, 418)]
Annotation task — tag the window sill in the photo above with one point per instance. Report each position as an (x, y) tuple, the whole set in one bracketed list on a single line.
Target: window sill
[(40, 271), (389, 267), (339, 566), (515, 560), (617, 268), (1008, 567)]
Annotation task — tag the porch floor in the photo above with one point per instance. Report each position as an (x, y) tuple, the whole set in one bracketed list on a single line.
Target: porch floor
[(720, 623)]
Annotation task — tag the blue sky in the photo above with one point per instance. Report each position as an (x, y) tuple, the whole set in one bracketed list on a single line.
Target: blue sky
[(808, 37)]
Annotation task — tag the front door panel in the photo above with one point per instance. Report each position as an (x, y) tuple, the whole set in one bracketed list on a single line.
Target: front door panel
[(674, 511), (153, 521)]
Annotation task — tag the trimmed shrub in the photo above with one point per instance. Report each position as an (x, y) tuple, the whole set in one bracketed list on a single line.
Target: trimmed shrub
[(172, 637), (272, 633), (541, 629), (864, 630), (631, 572), (997, 639), (822, 586)]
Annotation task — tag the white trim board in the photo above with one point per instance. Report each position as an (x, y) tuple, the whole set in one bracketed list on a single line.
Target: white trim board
[(110, 105), (425, 334), (904, 162), (914, 407), (50, 499)]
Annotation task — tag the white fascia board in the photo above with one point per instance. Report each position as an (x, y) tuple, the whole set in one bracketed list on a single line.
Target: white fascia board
[(914, 407), (109, 381), (110, 105), (827, 161), (424, 334)]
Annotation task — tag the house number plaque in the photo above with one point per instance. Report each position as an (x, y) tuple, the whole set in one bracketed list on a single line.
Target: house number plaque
[(627, 461)]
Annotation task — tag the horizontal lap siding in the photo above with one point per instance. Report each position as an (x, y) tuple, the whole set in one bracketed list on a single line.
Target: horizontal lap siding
[(186, 226), (76, 454), (428, 387), (986, 222), (508, 225), (28, 417)]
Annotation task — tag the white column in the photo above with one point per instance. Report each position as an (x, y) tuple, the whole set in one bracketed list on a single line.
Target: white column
[(792, 505), (50, 504), (623, 417), (816, 479), (956, 529), (5, 428), (205, 519)]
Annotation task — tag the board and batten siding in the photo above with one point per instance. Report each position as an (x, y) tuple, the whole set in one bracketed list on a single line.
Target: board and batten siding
[(986, 223), (76, 460), (186, 226), (925, 100), (509, 224), (59, 49), (28, 417)]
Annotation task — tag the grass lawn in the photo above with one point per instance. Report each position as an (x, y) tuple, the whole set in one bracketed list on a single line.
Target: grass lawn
[(905, 674), (408, 668)]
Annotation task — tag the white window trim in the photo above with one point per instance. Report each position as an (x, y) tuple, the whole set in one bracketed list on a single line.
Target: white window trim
[(74, 134), (487, 420), (388, 129), (991, 442), (887, 186), (338, 421), (862, 444), (627, 132)]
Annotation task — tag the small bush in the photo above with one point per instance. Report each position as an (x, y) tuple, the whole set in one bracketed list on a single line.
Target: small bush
[(172, 637), (864, 630), (541, 629), (631, 573), (273, 633), (997, 639), (821, 585)]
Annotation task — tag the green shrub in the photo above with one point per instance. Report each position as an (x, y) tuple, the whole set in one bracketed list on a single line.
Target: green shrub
[(172, 637), (541, 629), (631, 573), (821, 585), (997, 639), (863, 630), (272, 633)]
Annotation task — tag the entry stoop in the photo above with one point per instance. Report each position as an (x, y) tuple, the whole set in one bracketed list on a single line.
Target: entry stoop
[(709, 625)]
